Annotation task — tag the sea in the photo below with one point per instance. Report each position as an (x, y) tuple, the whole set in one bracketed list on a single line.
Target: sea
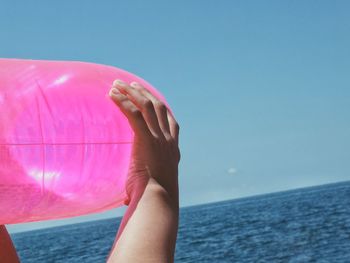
[(304, 225)]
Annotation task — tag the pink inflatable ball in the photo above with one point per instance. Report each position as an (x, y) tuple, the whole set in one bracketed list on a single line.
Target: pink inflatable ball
[(64, 145)]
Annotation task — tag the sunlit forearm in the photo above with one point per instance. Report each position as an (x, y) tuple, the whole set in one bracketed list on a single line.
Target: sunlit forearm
[(151, 230)]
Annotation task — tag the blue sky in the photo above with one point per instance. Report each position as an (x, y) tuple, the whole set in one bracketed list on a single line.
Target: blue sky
[(261, 89)]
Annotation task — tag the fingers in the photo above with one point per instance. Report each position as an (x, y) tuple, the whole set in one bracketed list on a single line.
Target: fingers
[(160, 108), (133, 114), (144, 104), (174, 127), (157, 118)]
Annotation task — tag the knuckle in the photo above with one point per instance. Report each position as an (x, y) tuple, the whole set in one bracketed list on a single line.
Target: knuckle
[(177, 127), (138, 87), (155, 142), (178, 155), (141, 88), (160, 139)]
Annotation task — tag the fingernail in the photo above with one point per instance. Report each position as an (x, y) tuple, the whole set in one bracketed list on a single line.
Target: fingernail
[(113, 91), (134, 84), (119, 83)]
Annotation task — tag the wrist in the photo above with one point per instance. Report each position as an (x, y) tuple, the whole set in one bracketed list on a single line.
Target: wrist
[(169, 190), (153, 189)]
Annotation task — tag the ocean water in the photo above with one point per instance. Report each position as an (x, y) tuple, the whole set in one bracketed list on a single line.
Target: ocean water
[(305, 225)]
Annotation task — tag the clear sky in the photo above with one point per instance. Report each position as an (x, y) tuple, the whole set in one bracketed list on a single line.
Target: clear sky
[(261, 89)]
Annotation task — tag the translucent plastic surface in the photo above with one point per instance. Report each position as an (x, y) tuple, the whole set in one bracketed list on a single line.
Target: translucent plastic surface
[(64, 145)]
